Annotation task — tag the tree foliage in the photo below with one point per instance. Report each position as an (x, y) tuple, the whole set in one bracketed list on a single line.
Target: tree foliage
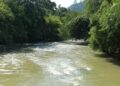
[(68, 17), (24, 21), (105, 26), (79, 28)]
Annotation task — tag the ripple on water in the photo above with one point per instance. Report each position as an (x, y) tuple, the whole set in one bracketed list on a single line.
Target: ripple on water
[(56, 69), (65, 70)]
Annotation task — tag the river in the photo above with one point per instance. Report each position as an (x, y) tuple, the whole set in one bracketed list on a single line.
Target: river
[(57, 64)]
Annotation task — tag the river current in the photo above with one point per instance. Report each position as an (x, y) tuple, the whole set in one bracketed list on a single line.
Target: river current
[(57, 64)]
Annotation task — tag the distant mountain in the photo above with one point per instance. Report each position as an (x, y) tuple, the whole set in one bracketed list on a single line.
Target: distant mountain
[(77, 7)]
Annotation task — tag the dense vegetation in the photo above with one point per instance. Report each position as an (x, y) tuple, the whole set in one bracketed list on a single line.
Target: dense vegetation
[(79, 28), (24, 21), (105, 25), (28, 21)]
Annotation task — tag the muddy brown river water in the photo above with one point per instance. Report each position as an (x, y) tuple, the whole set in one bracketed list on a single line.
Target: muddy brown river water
[(57, 64)]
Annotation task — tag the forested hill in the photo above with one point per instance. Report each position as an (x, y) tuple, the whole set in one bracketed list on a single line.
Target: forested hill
[(77, 7)]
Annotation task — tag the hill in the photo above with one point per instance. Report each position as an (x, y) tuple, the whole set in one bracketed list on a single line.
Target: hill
[(77, 7)]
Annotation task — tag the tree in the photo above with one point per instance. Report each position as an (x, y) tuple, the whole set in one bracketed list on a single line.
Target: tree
[(53, 24), (79, 28), (64, 31), (6, 19), (29, 24), (105, 24)]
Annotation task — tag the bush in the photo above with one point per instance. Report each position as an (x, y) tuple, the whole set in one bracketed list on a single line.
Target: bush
[(79, 28)]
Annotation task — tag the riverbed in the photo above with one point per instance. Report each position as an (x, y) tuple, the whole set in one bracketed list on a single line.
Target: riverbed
[(57, 64)]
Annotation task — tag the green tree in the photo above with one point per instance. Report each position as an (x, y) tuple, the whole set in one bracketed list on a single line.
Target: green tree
[(64, 31), (6, 19), (29, 23), (53, 24), (105, 24), (79, 28)]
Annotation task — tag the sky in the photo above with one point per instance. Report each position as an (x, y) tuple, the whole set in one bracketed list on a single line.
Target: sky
[(64, 3)]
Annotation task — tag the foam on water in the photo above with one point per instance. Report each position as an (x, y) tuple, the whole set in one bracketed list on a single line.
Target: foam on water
[(56, 61)]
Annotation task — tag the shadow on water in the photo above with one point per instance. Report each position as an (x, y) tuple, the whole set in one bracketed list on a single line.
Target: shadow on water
[(24, 48), (113, 59)]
